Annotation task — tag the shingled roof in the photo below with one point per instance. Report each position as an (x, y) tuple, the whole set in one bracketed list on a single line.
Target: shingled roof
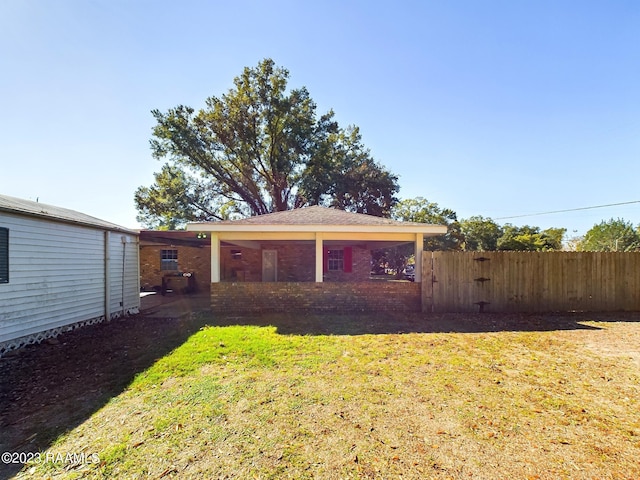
[(316, 215), (316, 219)]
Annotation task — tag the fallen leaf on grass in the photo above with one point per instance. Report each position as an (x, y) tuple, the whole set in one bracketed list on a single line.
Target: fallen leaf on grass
[(168, 471)]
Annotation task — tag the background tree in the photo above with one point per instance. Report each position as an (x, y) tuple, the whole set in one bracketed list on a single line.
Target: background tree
[(345, 176), (480, 234), (611, 236), (421, 210), (527, 238), (259, 149), (177, 197), (396, 258), (572, 243)]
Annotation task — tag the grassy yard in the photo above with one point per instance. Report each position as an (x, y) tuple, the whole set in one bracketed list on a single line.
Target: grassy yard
[(258, 398)]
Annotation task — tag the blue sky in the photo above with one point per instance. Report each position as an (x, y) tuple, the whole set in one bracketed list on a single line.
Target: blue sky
[(493, 108)]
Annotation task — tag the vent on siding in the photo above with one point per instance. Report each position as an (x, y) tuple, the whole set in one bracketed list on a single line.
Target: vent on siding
[(4, 255)]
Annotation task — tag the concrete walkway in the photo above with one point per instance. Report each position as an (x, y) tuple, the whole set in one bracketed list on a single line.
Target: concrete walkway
[(153, 304)]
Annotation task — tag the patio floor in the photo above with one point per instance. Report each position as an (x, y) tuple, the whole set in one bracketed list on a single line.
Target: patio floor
[(153, 304)]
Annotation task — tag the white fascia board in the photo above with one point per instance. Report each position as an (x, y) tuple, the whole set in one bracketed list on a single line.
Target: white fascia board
[(426, 229)]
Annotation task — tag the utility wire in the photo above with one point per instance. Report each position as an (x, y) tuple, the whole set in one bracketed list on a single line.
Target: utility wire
[(568, 210)]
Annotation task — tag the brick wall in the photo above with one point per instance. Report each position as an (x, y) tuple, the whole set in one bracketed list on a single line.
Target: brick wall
[(361, 268), (190, 259), (259, 297), (243, 267), (296, 263)]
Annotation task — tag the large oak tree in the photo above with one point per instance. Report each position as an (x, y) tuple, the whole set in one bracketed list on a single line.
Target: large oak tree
[(257, 149)]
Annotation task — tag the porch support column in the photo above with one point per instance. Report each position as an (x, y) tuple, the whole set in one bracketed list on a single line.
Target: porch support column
[(319, 257), (419, 245), (215, 258)]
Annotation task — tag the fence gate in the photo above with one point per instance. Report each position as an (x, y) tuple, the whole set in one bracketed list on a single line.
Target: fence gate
[(531, 281)]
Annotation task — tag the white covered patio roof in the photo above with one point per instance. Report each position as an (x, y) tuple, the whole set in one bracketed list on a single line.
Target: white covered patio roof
[(318, 224)]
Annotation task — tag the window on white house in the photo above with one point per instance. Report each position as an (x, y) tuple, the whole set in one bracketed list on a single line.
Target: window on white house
[(335, 260), (4, 255), (168, 259)]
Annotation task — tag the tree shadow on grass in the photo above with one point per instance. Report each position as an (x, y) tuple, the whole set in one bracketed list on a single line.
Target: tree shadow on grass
[(398, 323), (50, 388)]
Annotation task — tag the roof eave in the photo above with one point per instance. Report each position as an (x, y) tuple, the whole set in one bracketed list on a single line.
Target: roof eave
[(427, 229), (54, 218)]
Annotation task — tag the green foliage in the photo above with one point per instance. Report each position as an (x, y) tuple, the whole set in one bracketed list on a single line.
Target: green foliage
[(421, 210), (342, 174), (528, 238), (177, 197), (611, 236), (258, 149), (475, 233), (396, 257), (480, 234)]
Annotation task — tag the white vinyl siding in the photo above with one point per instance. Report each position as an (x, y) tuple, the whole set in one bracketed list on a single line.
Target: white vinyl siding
[(123, 272), (57, 275)]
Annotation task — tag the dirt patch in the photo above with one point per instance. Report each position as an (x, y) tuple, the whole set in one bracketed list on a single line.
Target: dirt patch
[(48, 389), (621, 340)]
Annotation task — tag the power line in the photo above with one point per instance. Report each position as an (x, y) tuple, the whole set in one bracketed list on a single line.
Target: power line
[(568, 210)]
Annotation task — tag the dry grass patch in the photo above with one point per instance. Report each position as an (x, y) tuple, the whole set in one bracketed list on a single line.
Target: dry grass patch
[(243, 401)]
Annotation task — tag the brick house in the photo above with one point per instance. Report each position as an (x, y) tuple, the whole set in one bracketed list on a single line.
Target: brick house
[(312, 258), (175, 260)]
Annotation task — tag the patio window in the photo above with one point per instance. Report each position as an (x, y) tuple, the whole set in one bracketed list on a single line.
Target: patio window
[(169, 260), (335, 260), (4, 255), (338, 260)]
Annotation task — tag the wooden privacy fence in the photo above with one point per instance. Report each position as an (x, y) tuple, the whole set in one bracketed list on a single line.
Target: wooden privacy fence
[(530, 281)]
